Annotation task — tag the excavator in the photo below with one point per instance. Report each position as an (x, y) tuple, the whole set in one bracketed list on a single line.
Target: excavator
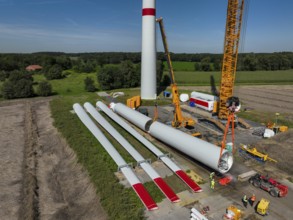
[(179, 120)]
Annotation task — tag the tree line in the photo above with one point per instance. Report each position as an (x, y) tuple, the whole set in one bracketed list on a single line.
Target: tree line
[(18, 83), (87, 62)]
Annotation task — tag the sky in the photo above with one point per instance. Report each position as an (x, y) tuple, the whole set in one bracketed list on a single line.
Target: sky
[(192, 26)]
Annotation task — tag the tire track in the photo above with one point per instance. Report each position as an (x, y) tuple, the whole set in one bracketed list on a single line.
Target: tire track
[(30, 195), (41, 178), (267, 104), (288, 93), (65, 190), (11, 162), (264, 95)]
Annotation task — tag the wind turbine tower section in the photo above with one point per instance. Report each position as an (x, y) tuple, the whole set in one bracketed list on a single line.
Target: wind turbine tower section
[(148, 51)]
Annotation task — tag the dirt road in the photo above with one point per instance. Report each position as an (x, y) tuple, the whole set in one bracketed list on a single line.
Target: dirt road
[(11, 154), (39, 176)]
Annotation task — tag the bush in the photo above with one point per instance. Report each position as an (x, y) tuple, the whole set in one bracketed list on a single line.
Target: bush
[(55, 72), (17, 75), (44, 88), (18, 85), (89, 84), (110, 78), (126, 75), (7, 90), (23, 88), (131, 75)]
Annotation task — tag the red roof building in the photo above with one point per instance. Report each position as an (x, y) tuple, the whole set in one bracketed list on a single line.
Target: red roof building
[(33, 67)]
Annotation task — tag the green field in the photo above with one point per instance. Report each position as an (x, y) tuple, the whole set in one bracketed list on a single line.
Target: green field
[(185, 75), (180, 66), (72, 84), (242, 77)]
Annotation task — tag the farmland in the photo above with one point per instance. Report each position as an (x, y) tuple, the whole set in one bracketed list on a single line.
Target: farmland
[(90, 155), (181, 66), (243, 77)]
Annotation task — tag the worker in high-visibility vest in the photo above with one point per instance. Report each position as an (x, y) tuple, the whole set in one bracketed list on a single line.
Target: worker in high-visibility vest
[(212, 184), (212, 174), (245, 201), (252, 200)]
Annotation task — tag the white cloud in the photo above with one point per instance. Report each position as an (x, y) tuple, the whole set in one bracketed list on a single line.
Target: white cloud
[(20, 38)]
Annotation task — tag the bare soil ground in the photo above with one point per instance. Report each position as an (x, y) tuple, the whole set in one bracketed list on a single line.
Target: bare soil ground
[(268, 98), (39, 176), (279, 148)]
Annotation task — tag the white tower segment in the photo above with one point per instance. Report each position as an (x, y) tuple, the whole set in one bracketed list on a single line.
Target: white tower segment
[(148, 51)]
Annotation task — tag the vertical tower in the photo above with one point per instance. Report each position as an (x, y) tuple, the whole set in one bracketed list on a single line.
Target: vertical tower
[(148, 52)]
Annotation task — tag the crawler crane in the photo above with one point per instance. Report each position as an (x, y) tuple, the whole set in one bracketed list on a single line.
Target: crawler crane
[(229, 65), (229, 104), (179, 120), (235, 11)]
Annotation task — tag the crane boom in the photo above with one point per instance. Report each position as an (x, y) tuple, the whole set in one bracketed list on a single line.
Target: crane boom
[(179, 120), (229, 65), (228, 103), (166, 48)]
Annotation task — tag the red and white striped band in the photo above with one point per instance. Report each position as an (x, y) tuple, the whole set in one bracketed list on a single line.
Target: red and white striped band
[(148, 11)]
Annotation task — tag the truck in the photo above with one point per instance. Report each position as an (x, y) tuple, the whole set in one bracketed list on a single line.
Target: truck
[(269, 184)]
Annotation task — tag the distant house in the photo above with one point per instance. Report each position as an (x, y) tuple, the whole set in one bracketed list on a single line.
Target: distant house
[(33, 67)]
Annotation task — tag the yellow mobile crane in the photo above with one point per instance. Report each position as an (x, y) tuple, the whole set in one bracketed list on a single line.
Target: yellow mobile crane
[(179, 120)]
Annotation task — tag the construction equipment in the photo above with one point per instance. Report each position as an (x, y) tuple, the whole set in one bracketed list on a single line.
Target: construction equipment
[(197, 135), (179, 120), (228, 104), (254, 153), (262, 207), (224, 181), (235, 11), (134, 102), (270, 185), (233, 213), (232, 104), (232, 38), (276, 128)]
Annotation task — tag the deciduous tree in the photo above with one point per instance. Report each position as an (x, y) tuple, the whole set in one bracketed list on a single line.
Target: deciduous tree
[(44, 88), (89, 84)]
